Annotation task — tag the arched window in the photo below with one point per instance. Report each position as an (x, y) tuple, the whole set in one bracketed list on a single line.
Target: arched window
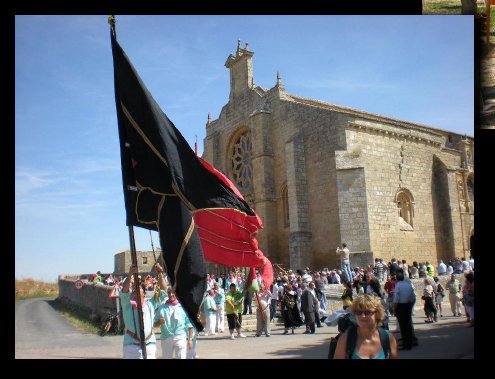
[(240, 162), (285, 204), (405, 203)]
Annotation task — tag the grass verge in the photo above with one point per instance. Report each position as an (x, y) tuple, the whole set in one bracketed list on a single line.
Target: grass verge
[(77, 317)]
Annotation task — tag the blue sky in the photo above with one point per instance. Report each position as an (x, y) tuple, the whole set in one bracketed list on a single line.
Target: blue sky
[(69, 207)]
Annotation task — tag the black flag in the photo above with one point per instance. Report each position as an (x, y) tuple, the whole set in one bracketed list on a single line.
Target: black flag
[(196, 209), (149, 195)]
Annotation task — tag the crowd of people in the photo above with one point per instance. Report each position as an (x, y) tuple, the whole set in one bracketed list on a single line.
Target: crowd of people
[(373, 295)]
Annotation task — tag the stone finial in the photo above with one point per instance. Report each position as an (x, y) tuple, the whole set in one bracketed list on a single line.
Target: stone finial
[(209, 117), (247, 46), (279, 84), (238, 46)]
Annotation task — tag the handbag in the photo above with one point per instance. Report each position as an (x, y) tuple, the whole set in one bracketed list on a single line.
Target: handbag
[(347, 302)]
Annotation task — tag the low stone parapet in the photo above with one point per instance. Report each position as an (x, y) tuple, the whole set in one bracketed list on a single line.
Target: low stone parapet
[(91, 297)]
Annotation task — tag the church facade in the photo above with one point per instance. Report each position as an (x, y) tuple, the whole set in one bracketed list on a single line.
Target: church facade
[(320, 175)]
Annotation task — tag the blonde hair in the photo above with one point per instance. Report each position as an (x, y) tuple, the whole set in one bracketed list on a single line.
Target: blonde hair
[(428, 280), (369, 302)]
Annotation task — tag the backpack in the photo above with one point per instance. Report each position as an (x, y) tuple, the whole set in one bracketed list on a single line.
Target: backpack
[(344, 323), (352, 339)]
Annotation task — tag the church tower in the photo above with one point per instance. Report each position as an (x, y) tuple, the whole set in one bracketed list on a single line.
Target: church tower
[(241, 71)]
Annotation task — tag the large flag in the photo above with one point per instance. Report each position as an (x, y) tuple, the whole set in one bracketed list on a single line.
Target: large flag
[(197, 211)]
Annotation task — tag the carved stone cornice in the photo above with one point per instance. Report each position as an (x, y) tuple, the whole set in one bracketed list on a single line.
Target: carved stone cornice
[(409, 135), (371, 116)]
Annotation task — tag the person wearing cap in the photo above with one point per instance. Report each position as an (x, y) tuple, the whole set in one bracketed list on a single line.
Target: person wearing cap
[(132, 335), (233, 307)]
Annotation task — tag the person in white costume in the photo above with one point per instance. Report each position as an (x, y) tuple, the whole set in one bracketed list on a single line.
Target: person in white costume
[(176, 330), (132, 338), (219, 297)]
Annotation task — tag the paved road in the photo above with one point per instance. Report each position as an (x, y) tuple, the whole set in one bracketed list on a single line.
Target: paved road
[(41, 332)]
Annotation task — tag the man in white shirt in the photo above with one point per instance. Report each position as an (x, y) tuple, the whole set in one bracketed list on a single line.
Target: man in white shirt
[(335, 277), (465, 265), (306, 277), (442, 268)]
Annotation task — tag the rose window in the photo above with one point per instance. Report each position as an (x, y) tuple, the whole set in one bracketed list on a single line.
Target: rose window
[(242, 168)]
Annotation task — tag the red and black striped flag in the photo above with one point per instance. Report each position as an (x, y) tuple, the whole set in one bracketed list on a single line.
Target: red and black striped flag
[(197, 211)]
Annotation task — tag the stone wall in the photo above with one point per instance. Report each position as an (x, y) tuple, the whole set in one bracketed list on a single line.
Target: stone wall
[(342, 169), (91, 298), (361, 259), (316, 133), (394, 161)]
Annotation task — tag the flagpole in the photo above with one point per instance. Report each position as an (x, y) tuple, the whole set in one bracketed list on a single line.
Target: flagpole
[(156, 294), (137, 291), (132, 242), (152, 246)]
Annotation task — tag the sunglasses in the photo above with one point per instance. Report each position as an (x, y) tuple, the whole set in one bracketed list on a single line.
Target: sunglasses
[(366, 313)]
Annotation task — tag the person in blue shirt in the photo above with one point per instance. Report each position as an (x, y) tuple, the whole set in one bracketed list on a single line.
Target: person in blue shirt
[(210, 310), (176, 329), (132, 337), (219, 297)]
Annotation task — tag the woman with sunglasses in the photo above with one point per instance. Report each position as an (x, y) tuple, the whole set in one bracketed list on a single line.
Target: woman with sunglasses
[(369, 314)]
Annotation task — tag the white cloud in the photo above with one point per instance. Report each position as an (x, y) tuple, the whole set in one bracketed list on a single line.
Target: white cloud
[(76, 188), (31, 180), (91, 166)]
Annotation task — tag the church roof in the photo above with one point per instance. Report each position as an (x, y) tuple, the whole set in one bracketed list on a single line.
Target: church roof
[(368, 115)]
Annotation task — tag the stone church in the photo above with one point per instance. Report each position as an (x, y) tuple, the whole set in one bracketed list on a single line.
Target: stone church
[(320, 174)]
